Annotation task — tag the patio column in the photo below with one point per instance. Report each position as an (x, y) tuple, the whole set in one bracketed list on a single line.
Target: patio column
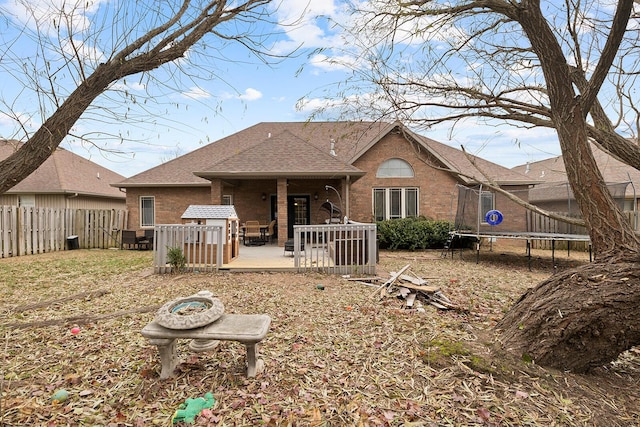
[(346, 186), (216, 191), (283, 222)]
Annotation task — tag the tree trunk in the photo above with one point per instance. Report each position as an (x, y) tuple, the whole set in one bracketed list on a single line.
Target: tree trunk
[(611, 234), (578, 319), (587, 316), (48, 137)]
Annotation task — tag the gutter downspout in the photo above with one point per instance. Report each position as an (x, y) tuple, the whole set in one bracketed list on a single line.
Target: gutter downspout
[(347, 189)]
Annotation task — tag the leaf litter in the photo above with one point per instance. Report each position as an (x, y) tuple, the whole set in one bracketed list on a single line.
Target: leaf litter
[(334, 356)]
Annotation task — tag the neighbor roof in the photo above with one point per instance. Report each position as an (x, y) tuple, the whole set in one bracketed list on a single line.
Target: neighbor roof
[(299, 149), (553, 169), (65, 173), (552, 175)]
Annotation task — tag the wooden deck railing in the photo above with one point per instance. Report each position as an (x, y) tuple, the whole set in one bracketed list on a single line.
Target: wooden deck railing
[(336, 248), (201, 245)]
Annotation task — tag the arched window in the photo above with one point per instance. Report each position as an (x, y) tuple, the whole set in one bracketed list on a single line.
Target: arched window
[(395, 168)]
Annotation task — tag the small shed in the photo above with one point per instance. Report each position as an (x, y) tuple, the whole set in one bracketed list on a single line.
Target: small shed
[(221, 215)]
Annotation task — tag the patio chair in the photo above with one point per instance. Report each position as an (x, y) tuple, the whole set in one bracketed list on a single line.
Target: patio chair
[(129, 238), (148, 238), (270, 233), (145, 241), (252, 234)]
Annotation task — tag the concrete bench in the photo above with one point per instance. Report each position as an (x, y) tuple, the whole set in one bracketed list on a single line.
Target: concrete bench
[(248, 329)]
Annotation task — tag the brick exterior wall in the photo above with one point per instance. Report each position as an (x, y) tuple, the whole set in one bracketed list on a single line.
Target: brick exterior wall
[(437, 189), (170, 203)]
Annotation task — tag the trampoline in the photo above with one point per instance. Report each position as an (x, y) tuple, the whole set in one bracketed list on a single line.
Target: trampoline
[(483, 214)]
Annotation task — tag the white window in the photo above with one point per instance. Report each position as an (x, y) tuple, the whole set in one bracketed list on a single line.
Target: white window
[(393, 203), (27, 200), (487, 203), (147, 211), (395, 168), (227, 199)]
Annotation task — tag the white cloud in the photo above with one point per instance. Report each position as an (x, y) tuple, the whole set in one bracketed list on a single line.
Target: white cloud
[(127, 86), (84, 52), (196, 93), (14, 124), (309, 24), (333, 63), (250, 94), (71, 17)]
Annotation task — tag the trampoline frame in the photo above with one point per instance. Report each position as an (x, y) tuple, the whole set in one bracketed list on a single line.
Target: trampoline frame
[(528, 236)]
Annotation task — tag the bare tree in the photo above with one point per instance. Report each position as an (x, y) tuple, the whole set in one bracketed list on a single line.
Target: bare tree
[(570, 66), (185, 38)]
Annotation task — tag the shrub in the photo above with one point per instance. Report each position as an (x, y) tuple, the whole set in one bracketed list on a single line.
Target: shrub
[(176, 259), (413, 233)]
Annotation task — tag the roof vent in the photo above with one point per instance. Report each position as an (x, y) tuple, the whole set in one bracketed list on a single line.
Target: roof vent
[(332, 150), (269, 135)]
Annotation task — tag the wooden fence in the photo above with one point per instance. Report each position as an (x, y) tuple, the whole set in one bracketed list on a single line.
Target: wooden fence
[(202, 246), (336, 248), (542, 224), (30, 230)]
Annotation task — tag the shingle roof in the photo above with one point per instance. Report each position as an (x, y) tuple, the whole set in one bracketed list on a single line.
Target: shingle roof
[(278, 155), (347, 136), (65, 172), (471, 165), (210, 212), (553, 169), (297, 149), (553, 175)]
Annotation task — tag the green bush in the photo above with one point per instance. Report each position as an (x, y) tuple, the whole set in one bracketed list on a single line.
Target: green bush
[(413, 233), (176, 259)]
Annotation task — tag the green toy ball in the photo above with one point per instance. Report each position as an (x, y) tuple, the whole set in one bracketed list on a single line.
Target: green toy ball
[(60, 396)]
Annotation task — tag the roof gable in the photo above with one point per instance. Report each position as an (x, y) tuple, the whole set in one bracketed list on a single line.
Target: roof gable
[(457, 161), (472, 166), (284, 154)]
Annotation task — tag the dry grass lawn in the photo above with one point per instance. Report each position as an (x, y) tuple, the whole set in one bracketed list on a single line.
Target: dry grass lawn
[(341, 356)]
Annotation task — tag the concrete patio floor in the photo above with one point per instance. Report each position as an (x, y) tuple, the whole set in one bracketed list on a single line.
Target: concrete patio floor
[(268, 257)]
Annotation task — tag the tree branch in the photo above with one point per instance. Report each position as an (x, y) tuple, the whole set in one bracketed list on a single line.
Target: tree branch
[(608, 54)]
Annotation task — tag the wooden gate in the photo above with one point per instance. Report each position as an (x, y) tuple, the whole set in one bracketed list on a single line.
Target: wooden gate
[(336, 248)]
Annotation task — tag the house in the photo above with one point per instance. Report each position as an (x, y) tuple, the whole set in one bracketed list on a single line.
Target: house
[(554, 193), (64, 180), (288, 171)]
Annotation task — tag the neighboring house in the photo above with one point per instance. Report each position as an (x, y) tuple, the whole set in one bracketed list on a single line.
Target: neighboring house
[(288, 171), (554, 193), (64, 180)]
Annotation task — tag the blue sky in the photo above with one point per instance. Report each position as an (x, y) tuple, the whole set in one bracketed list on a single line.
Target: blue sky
[(244, 92)]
